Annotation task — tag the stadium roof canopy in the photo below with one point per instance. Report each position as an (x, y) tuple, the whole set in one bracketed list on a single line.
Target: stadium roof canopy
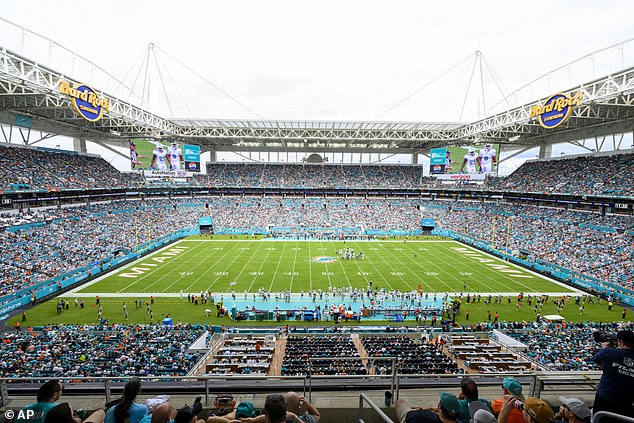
[(30, 97)]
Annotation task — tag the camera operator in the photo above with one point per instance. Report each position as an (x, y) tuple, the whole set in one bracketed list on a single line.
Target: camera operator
[(615, 393)]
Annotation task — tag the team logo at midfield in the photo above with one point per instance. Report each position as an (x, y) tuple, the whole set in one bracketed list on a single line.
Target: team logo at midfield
[(324, 259), (556, 109)]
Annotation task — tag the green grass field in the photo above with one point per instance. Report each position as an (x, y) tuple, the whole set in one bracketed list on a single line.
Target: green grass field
[(221, 266), (195, 265)]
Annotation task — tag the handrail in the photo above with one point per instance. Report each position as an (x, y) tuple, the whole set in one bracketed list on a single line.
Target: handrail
[(364, 398), (213, 346), (205, 382), (553, 375), (600, 414), (392, 378), (149, 378)]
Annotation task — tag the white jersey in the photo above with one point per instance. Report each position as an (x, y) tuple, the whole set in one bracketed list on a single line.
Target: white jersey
[(470, 166), (160, 159), (486, 159), (175, 157)]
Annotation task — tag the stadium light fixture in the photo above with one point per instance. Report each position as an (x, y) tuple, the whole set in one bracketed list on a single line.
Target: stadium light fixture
[(515, 138)]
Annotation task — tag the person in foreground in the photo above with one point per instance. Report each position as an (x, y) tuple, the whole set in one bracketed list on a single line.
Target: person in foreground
[(573, 410), (534, 410), (615, 393), (47, 409), (448, 410), (127, 411)]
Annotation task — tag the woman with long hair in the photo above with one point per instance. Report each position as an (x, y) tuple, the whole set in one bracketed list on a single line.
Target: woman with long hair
[(127, 411)]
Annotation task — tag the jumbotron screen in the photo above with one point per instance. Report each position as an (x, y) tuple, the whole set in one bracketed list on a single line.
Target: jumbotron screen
[(164, 155), (472, 159)]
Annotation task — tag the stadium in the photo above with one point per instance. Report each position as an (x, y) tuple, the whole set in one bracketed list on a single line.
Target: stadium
[(364, 264)]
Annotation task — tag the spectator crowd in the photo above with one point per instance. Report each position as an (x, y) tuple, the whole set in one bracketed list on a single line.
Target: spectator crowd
[(29, 169), (52, 242), (58, 241), (88, 350)]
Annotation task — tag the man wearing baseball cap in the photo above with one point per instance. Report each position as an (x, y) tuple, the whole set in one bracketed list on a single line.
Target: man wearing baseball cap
[(448, 410), (615, 393), (534, 410), (512, 388), (480, 413), (537, 410), (573, 410)]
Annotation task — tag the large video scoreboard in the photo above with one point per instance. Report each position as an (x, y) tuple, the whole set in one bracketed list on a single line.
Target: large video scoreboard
[(476, 159)]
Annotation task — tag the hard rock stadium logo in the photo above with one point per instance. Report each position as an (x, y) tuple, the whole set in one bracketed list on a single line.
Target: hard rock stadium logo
[(324, 259), (87, 103), (556, 109)]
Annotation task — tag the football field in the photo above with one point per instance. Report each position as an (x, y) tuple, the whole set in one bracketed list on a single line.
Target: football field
[(194, 264)]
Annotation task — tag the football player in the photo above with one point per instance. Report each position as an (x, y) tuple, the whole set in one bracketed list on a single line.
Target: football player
[(470, 161), (488, 161), (176, 156), (159, 157)]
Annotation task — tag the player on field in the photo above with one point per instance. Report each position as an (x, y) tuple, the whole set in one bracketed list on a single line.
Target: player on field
[(159, 156), (176, 156), (488, 160), (470, 161)]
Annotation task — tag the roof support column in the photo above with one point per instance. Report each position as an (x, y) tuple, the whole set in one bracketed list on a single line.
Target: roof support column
[(79, 145), (415, 158), (545, 151)]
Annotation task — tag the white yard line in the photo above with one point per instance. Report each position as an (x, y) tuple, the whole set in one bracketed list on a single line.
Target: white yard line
[(200, 263), (260, 268), (310, 269), (75, 291), (241, 270), (517, 266), (119, 269), (279, 260), (457, 279), (151, 272), (380, 274), (225, 253), (290, 289)]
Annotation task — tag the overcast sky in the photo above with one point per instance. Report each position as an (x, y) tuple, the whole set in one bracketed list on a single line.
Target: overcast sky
[(329, 60)]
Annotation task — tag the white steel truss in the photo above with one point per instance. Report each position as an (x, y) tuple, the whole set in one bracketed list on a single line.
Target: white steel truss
[(32, 90)]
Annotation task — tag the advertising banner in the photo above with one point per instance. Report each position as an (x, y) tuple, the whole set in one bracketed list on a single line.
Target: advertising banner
[(192, 158), (437, 161)]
